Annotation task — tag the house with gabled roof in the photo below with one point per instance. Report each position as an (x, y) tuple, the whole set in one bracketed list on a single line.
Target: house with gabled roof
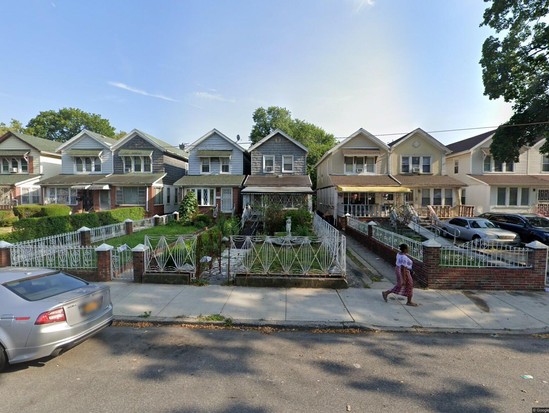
[(145, 171), (278, 173), (353, 178), (24, 160), (217, 168), (86, 158), (418, 162), (493, 186)]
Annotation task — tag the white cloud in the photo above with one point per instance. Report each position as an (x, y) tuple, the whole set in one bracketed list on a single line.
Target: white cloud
[(140, 91), (360, 4), (212, 96)]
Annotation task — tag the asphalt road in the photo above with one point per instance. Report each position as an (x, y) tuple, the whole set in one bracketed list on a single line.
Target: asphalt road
[(172, 369)]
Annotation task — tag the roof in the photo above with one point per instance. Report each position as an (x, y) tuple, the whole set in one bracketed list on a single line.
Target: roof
[(361, 131), (211, 180), (41, 145), (132, 179), (14, 179), (72, 179), (470, 143), (537, 181), (221, 135), (158, 143), (420, 131), (103, 140), (278, 180), (363, 180), (429, 181), (276, 132)]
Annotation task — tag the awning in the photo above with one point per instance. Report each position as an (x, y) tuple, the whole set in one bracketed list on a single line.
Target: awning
[(134, 152), (214, 154), (84, 152), (99, 187), (80, 186), (389, 189), (361, 152), (14, 152), (277, 190)]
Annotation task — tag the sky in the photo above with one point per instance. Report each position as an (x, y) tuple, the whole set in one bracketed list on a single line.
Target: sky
[(177, 69)]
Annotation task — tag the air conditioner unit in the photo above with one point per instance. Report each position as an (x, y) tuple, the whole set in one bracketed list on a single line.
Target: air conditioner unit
[(268, 169), (127, 169), (415, 170), (14, 170), (358, 170)]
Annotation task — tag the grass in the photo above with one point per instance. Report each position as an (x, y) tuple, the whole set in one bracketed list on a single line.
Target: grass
[(173, 228), (216, 318)]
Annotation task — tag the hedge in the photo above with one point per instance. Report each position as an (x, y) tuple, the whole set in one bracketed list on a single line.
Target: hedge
[(7, 218), (35, 211)]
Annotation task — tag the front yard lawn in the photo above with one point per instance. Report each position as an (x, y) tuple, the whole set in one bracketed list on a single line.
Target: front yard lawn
[(173, 228)]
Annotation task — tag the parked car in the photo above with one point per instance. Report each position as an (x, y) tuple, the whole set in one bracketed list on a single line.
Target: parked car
[(44, 312), (530, 227), (470, 229)]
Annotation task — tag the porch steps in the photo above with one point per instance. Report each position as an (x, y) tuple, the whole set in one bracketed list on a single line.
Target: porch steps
[(427, 233)]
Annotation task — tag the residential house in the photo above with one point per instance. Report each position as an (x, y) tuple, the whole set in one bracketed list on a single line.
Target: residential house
[(24, 159), (278, 174), (418, 162), (217, 168), (353, 178), (493, 186), (86, 159), (145, 172)]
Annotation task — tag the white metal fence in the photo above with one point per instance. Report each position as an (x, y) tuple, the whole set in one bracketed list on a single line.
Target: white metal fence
[(103, 233), (60, 257), (485, 255), (171, 254)]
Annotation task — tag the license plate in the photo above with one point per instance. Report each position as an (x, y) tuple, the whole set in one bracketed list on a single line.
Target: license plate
[(91, 306)]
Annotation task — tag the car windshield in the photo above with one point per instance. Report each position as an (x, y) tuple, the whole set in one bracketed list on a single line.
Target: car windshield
[(44, 286), (538, 221), (482, 223)]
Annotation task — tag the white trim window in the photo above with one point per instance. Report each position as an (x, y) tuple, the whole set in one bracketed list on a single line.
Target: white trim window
[(545, 163), (205, 165), (268, 163), (224, 165), (87, 164), (14, 165), (61, 195), (287, 163), (30, 195), (359, 164), (131, 195), (512, 196), (415, 164), (491, 165), (138, 164), (204, 196)]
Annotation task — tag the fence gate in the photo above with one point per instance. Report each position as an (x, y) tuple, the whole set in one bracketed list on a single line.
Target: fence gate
[(122, 263)]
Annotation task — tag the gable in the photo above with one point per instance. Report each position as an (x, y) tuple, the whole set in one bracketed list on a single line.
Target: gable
[(277, 136)]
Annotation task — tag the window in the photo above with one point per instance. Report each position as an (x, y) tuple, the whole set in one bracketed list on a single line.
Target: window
[(225, 165), (62, 195), (205, 165), (359, 164), (525, 196), (205, 196), (287, 163), (139, 164), (129, 195), (415, 164), (490, 165), (501, 197), (463, 197), (5, 166), (30, 195), (87, 164), (437, 196), (545, 163), (448, 197), (513, 196), (14, 165), (168, 195), (349, 165), (158, 193), (425, 197), (268, 163), (456, 166)]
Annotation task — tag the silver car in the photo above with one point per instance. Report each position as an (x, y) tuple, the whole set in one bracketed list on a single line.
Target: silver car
[(471, 229), (43, 312)]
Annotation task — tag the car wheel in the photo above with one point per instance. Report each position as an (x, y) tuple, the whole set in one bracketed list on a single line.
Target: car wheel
[(477, 241), (3, 359)]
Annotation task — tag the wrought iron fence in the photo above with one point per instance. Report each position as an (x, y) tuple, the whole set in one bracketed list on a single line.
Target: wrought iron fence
[(143, 224), (103, 233), (485, 254), (59, 256), (122, 263), (171, 254)]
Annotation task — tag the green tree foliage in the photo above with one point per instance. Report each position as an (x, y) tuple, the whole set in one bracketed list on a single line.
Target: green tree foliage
[(65, 123), (188, 207), (515, 67), (313, 137), (14, 126)]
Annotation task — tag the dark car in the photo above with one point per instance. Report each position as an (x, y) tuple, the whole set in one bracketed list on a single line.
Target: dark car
[(530, 227)]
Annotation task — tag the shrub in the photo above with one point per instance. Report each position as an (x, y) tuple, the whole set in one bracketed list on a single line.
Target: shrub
[(55, 210), (274, 219), (78, 221), (188, 207), (27, 211), (300, 218), (202, 220), (120, 215), (7, 218), (30, 228)]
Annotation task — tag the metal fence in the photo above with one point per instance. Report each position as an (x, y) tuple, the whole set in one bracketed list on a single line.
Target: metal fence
[(122, 263), (171, 254), (60, 257), (103, 233), (485, 255), (143, 224)]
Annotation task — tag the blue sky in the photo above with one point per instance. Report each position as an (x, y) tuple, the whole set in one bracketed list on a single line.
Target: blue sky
[(177, 69)]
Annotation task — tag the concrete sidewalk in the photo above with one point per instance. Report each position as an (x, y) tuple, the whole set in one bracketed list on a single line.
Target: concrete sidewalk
[(481, 311)]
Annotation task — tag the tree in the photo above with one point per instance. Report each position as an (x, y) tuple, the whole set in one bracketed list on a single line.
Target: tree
[(66, 123), (313, 137), (14, 126), (515, 67)]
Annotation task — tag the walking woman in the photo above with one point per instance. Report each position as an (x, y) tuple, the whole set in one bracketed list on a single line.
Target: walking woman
[(405, 284)]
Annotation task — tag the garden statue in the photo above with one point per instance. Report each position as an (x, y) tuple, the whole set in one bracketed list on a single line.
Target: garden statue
[(289, 226)]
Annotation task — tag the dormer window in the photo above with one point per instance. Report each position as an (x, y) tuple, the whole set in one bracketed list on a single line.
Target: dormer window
[(14, 165), (491, 165), (415, 164), (287, 163), (85, 164), (359, 164), (268, 163), (205, 165), (225, 165), (138, 164)]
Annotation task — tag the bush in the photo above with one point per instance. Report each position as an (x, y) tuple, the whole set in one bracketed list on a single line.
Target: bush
[(202, 220), (36, 211), (7, 218), (275, 221), (300, 218), (120, 215), (30, 228), (78, 221), (188, 207)]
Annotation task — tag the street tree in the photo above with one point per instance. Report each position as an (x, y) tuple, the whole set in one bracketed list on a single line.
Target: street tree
[(65, 123), (515, 67), (14, 126), (313, 137)]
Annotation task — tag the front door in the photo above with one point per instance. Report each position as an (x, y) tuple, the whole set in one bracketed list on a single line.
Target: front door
[(104, 200), (226, 199)]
